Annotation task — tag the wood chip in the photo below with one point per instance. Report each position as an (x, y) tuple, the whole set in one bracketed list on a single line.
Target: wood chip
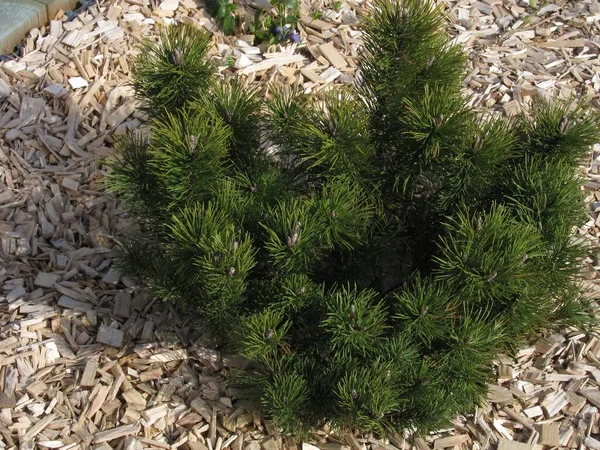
[(333, 55), (110, 336), (78, 82), (451, 441), (549, 434), (317, 24), (115, 433), (46, 280), (506, 444), (89, 374)]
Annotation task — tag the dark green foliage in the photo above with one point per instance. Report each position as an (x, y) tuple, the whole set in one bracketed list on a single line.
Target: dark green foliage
[(434, 122), (425, 310), (560, 131), (547, 194), (173, 71), (132, 180), (287, 398), (239, 106), (264, 335), (378, 246), (355, 321), (301, 231), (333, 137), (474, 169), (224, 11), (407, 49), (487, 257), (212, 256), (187, 153)]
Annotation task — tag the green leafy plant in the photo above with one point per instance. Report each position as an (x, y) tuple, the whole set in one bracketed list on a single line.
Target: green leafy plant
[(277, 25), (224, 12), (378, 245), (261, 28), (286, 12)]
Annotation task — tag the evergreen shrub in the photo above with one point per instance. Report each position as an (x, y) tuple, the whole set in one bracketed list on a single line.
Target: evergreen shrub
[(369, 250)]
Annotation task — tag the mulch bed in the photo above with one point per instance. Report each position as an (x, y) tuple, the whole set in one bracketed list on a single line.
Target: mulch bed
[(90, 360)]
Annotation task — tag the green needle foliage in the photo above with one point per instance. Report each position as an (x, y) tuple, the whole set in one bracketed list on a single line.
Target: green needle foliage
[(379, 246), (169, 73)]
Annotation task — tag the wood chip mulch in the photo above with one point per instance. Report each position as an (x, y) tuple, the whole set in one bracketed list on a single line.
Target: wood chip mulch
[(90, 360)]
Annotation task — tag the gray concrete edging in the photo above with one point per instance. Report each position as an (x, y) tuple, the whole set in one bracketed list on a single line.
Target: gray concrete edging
[(18, 17)]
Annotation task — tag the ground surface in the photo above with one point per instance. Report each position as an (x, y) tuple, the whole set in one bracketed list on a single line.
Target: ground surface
[(17, 17), (87, 360)]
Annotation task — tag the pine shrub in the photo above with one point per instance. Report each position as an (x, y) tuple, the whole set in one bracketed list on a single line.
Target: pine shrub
[(369, 250)]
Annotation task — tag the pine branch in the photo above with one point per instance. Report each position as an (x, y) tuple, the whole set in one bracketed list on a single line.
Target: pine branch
[(188, 151), (332, 138), (546, 194), (425, 310), (379, 245), (239, 106), (264, 337), (487, 258), (173, 71), (562, 130), (132, 179), (355, 321)]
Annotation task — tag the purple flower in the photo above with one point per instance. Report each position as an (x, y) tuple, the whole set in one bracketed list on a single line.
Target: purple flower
[(287, 33)]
